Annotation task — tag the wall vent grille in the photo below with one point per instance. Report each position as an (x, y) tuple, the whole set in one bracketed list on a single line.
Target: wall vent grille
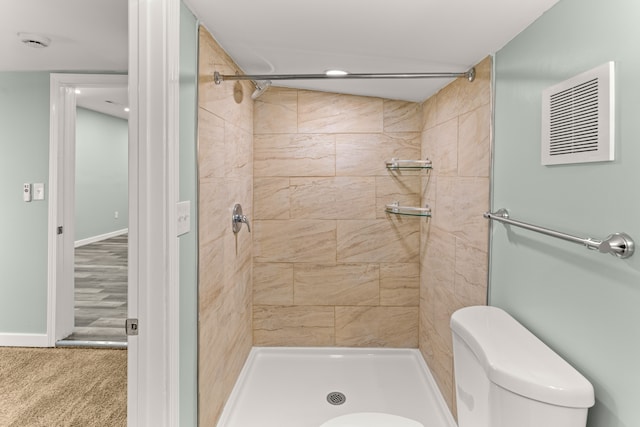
[(577, 119)]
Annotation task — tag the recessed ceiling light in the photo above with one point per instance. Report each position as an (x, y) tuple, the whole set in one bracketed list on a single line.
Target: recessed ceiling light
[(336, 73), (126, 109), (34, 40), (78, 91)]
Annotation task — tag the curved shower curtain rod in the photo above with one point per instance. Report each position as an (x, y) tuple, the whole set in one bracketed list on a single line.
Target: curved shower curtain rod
[(219, 78)]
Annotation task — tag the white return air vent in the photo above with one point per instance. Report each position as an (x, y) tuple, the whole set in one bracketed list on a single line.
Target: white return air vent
[(577, 118)]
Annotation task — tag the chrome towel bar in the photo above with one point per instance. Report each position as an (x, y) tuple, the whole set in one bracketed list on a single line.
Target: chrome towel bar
[(618, 244)]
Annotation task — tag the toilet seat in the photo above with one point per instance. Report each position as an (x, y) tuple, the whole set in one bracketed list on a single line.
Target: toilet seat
[(371, 419)]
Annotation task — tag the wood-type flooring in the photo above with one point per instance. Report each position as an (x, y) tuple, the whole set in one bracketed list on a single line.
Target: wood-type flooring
[(101, 292)]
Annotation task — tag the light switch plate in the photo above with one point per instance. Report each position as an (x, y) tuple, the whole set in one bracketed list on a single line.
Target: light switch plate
[(184, 217), (38, 191)]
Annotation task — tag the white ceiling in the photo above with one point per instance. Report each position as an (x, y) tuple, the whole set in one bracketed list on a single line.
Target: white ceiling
[(107, 100), (365, 36), (285, 36), (86, 36)]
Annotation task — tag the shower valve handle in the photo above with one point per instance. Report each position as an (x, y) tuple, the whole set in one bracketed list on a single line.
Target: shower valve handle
[(237, 219)]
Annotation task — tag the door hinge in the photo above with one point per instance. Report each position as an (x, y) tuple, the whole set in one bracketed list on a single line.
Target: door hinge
[(131, 326), (59, 229)]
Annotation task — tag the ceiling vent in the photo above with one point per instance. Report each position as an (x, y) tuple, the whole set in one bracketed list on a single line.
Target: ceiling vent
[(34, 40), (578, 118)]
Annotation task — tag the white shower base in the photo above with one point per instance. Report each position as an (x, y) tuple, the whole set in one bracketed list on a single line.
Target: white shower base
[(288, 387)]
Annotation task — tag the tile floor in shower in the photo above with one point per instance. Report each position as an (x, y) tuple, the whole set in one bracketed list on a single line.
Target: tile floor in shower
[(288, 387)]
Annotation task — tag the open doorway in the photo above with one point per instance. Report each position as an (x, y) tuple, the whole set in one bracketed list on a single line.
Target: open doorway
[(89, 203), (101, 218)]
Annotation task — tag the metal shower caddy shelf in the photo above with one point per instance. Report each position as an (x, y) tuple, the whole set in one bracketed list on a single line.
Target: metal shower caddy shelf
[(397, 164), (395, 208)]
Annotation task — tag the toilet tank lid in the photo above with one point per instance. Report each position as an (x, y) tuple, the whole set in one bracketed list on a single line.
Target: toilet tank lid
[(517, 360)]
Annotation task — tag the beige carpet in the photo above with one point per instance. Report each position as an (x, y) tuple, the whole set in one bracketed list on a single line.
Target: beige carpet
[(60, 387)]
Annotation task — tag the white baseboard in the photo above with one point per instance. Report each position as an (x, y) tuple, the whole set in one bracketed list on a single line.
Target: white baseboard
[(23, 340), (99, 238)]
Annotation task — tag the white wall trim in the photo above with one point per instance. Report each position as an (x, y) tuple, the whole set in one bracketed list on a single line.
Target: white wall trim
[(154, 60), (173, 192), (24, 340), (99, 238), (61, 134), (55, 214)]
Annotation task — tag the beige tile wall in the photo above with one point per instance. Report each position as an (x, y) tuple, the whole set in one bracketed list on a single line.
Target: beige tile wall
[(453, 255), (330, 267), (225, 158)]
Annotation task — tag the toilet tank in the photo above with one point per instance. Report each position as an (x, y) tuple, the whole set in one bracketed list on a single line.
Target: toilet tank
[(505, 376)]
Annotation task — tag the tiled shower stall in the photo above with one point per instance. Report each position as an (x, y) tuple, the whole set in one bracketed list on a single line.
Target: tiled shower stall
[(324, 264)]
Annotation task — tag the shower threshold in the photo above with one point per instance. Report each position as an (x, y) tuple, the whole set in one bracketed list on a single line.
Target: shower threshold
[(307, 387)]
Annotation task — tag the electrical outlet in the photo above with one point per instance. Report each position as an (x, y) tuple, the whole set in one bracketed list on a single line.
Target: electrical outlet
[(116, 214)]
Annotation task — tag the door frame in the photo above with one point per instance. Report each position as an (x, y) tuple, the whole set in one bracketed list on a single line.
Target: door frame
[(154, 84), (153, 363), (60, 301)]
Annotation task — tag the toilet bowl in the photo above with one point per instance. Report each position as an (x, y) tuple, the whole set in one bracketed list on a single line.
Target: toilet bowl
[(371, 419)]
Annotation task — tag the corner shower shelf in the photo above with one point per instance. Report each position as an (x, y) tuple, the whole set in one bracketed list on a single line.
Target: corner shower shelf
[(396, 209), (397, 164)]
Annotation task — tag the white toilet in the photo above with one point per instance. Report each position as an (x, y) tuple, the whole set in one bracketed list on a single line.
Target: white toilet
[(371, 419), (506, 377)]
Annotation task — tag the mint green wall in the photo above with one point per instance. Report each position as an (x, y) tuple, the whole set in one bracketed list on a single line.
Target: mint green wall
[(189, 241), (102, 143), (24, 157), (583, 304)]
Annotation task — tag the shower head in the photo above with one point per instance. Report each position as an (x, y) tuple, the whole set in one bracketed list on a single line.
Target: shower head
[(261, 87)]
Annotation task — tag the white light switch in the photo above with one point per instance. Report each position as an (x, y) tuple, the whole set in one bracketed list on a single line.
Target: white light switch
[(38, 191), (184, 217)]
